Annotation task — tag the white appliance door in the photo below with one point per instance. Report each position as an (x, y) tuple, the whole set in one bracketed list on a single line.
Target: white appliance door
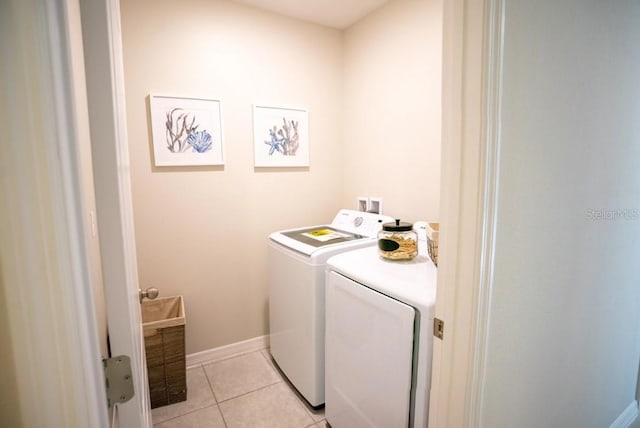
[(369, 353)]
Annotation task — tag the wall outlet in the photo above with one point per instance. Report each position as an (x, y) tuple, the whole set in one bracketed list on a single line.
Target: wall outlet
[(363, 203), (375, 205)]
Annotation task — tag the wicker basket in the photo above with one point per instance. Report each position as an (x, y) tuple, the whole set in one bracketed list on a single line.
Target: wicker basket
[(433, 229), (163, 325)]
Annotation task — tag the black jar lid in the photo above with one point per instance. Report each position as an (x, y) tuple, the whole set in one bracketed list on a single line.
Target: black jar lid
[(398, 226)]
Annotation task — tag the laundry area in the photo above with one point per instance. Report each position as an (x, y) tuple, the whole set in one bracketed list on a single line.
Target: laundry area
[(371, 93), (308, 119), (258, 184)]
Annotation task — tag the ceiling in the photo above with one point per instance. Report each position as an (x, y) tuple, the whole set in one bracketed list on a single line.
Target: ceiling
[(331, 13)]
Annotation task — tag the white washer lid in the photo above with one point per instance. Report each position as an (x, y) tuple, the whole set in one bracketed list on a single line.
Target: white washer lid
[(410, 281)]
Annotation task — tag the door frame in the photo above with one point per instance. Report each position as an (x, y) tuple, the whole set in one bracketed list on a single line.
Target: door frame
[(50, 330), (472, 81), (46, 281), (110, 152)]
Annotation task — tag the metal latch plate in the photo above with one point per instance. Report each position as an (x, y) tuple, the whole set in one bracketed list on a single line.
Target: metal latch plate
[(119, 380), (438, 328)]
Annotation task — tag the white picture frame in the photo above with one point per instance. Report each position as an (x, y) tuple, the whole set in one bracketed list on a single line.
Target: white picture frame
[(186, 131), (280, 136)]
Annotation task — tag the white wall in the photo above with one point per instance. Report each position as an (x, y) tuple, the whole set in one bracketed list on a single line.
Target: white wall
[(392, 96), (202, 231), (564, 338)]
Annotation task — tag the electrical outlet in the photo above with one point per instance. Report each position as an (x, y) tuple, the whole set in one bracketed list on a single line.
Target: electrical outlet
[(375, 205), (363, 203)]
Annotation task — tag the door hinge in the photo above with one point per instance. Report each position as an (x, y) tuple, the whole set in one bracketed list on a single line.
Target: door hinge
[(438, 328), (118, 379)]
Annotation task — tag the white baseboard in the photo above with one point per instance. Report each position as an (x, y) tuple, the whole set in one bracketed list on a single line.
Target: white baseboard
[(627, 417), (222, 352)]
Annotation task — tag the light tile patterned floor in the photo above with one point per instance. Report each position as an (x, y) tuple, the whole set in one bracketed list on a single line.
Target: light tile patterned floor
[(242, 391)]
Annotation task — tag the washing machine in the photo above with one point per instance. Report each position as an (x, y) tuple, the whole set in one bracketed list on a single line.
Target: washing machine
[(379, 340), (296, 267)]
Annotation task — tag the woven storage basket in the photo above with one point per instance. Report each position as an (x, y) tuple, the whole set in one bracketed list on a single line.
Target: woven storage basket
[(433, 229), (163, 323)]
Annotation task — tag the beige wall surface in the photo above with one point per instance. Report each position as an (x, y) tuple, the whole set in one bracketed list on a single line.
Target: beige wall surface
[(392, 93), (202, 231)]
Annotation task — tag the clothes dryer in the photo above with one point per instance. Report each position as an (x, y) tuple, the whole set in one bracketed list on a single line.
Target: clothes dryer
[(379, 340)]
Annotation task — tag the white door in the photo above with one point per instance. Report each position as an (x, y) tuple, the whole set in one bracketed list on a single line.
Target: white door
[(105, 92), (369, 356), (467, 203), (49, 329), (475, 275)]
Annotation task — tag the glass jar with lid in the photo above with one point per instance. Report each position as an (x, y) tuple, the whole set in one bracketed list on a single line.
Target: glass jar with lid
[(398, 241)]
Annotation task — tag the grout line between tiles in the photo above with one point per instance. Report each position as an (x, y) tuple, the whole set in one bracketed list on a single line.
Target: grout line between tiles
[(210, 386), (183, 414), (293, 389), (194, 367), (250, 392), (269, 360), (267, 386), (224, 421)]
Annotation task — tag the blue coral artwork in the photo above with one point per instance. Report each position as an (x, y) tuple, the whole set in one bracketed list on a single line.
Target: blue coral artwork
[(285, 139), (186, 131), (280, 136)]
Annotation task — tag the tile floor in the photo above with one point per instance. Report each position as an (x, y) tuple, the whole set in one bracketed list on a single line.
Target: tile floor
[(242, 391)]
